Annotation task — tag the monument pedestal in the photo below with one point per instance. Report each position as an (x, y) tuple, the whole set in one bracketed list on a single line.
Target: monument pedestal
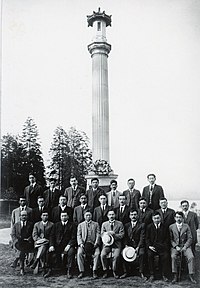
[(104, 180)]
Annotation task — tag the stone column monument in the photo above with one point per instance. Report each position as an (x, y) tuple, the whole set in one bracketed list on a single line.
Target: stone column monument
[(99, 50)]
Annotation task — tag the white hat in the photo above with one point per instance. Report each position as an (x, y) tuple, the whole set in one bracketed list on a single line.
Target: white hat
[(107, 239), (129, 254)]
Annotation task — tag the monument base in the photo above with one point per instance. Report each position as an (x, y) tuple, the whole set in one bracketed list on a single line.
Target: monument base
[(104, 180)]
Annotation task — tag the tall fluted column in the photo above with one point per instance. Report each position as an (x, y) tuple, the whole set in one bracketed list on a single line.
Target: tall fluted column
[(100, 101)]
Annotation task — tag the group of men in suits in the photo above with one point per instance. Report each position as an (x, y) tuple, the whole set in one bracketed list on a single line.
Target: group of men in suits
[(99, 225)]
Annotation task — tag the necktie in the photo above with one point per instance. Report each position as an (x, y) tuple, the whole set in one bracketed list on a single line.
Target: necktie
[(113, 193), (121, 209), (112, 226), (150, 194)]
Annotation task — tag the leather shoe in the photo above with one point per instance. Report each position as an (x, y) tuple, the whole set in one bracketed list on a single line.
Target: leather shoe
[(22, 272), (115, 275), (192, 279), (143, 277), (105, 275), (123, 276), (80, 275), (151, 278), (174, 280), (34, 264), (165, 279), (47, 274), (14, 264), (69, 275), (94, 276)]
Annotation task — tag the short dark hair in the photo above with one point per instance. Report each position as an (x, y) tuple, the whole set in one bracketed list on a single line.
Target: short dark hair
[(111, 209), (179, 213), (22, 197), (142, 198), (82, 194), (184, 201), (94, 179), (151, 174), (40, 196), (113, 181), (133, 210), (156, 213), (63, 196), (162, 198), (103, 194), (130, 179), (45, 211), (32, 174), (122, 195), (72, 177)]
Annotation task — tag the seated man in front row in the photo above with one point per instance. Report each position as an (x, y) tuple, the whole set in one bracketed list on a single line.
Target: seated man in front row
[(22, 238), (157, 242), (181, 241), (88, 239), (116, 230), (135, 237), (62, 243), (41, 236)]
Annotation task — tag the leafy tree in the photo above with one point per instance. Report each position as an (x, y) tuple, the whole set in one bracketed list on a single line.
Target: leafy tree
[(33, 158), (70, 155)]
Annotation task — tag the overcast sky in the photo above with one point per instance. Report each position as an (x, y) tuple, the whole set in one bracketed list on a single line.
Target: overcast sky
[(154, 83)]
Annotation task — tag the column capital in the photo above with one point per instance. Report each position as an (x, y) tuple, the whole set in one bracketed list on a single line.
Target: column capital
[(99, 48)]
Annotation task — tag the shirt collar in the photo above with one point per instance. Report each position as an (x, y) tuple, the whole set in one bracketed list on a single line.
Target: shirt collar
[(64, 223), (62, 207), (44, 223)]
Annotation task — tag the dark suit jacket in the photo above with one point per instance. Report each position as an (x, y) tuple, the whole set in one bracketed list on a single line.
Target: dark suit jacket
[(99, 215), (145, 217), (167, 217), (132, 201), (60, 237), (185, 236), (193, 222), (123, 217), (78, 216), (156, 195), (93, 197), (55, 216), (134, 237), (73, 196), (157, 238), (39, 232), (51, 199), (16, 233), (32, 195), (36, 214)]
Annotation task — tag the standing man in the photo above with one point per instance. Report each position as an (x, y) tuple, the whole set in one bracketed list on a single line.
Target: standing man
[(192, 220), (62, 207), (94, 192), (135, 237), (73, 193), (144, 212), (88, 239), (62, 241), (51, 195), (15, 217), (79, 211), (32, 192), (122, 212), (116, 230), (37, 212), (22, 238), (113, 195), (132, 195), (41, 236), (167, 214), (100, 212), (153, 193), (181, 241), (157, 243)]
